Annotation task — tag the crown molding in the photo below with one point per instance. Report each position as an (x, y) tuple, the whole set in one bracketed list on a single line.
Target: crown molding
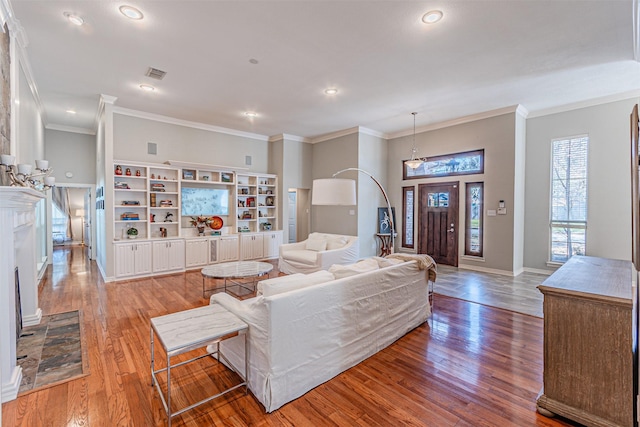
[(104, 99), (584, 104), (372, 132), (288, 137), (19, 37), (522, 111), (349, 131), (71, 129), (15, 28), (461, 120), (186, 123)]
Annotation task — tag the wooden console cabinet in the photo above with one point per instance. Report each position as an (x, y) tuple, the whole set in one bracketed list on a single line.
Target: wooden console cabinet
[(590, 342)]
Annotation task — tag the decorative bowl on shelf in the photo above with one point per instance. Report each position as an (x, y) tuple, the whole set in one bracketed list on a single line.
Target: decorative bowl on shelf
[(216, 223)]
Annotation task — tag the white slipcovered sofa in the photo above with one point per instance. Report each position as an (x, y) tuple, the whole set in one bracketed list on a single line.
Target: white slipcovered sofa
[(319, 252), (306, 329)]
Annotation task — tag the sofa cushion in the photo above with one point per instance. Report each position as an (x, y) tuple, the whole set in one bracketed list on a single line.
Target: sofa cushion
[(341, 271), (292, 282), (301, 255), (316, 245), (336, 242)]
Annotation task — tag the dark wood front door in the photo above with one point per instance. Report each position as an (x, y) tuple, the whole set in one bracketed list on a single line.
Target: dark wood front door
[(438, 222)]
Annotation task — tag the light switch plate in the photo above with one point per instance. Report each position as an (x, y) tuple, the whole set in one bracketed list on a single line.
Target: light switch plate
[(502, 211), (491, 212)]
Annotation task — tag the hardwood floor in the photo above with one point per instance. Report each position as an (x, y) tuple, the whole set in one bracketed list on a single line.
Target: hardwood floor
[(469, 365), (518, 293)]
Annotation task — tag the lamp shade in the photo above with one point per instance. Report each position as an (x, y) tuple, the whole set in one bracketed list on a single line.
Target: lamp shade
[(334, 192)]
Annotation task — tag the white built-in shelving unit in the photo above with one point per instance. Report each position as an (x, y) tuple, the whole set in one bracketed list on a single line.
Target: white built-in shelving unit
[(147, 197)]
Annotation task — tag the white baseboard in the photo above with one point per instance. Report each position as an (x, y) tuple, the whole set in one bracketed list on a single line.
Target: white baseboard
[(538, 271), (489, 270), (10, 389), (32, 319)]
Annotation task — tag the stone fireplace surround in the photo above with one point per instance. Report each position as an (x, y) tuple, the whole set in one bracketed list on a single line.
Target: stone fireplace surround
[(17, 249)]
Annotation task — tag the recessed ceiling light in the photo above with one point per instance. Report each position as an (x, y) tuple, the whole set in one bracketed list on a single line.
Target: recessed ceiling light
[(432, 17), (148, 88), (331, 91), (131, 12), (71, 111), (74, 19), (251, 114)]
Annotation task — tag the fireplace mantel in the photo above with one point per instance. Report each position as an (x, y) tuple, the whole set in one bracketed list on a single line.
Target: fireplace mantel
[(18, 249)]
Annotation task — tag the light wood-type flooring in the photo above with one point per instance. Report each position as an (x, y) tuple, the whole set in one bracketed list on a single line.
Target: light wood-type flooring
[(518, 293), (469, 365)]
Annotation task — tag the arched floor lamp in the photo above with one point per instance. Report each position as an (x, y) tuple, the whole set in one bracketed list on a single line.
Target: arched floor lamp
[(342, 192)]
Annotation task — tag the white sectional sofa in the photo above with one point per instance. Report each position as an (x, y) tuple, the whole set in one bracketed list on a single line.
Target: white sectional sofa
[(306, 329), (319, 252)]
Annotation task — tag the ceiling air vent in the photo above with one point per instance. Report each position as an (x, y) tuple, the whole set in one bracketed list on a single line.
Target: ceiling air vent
[(154, 73)]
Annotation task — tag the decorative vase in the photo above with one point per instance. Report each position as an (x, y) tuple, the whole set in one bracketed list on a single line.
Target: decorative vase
[(201, 230)]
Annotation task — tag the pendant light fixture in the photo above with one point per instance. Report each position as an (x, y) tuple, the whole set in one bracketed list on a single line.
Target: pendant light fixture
[(414, 162)]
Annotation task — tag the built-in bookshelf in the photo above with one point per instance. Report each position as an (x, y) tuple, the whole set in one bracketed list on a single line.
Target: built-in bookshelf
[(151, 198), (256, 203)]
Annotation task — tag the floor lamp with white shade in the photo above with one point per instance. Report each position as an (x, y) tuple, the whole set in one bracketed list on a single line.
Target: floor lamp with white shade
[(80, 213), (342, 192)]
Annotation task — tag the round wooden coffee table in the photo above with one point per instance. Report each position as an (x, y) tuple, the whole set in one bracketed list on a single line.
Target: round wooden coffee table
[(233, 272)]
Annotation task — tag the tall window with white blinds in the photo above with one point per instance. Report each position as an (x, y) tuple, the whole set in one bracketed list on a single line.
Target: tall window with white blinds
[(568, 225)]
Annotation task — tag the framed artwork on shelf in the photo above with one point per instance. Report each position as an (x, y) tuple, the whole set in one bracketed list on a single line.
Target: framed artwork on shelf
[(187, 174)]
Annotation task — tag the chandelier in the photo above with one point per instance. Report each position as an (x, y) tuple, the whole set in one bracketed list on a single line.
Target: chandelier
[(415, 162)]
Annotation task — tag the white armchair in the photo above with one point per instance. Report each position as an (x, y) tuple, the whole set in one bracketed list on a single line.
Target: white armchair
[(319, 252)]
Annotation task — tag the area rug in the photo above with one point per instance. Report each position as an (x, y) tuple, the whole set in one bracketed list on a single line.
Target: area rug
[(52, 352)]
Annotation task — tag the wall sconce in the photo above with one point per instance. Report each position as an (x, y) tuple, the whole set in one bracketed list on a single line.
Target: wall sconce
[(22, 175)]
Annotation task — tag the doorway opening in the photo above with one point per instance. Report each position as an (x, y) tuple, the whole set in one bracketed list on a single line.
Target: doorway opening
[(71, 213), (298, 214)]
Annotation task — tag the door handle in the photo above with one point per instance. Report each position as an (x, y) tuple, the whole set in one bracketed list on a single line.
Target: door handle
[(451, 230)]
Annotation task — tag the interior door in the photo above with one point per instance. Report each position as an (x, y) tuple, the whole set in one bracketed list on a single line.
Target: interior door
[(293, 210), (438, 222)]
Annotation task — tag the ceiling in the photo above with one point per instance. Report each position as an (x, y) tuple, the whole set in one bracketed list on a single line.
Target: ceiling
[(384, 61)]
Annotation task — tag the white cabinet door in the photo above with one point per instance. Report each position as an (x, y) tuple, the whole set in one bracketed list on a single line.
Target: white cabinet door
[(132, 259), (176, 255), (142, 253), (160, 256), (168, 255), (246, 246), (125, 260), (271, 244), (196, 252), (251, 246), (228, 248)]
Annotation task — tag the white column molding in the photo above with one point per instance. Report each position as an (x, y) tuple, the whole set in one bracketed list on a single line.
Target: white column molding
[(18, 237)]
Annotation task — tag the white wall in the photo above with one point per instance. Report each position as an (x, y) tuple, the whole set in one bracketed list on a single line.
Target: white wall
[(28, 138), (609, 185), (71, 152)]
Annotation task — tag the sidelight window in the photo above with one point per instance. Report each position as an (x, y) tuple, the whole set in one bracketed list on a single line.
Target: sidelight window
[(473, 218), (408, 198), (568, 223)]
